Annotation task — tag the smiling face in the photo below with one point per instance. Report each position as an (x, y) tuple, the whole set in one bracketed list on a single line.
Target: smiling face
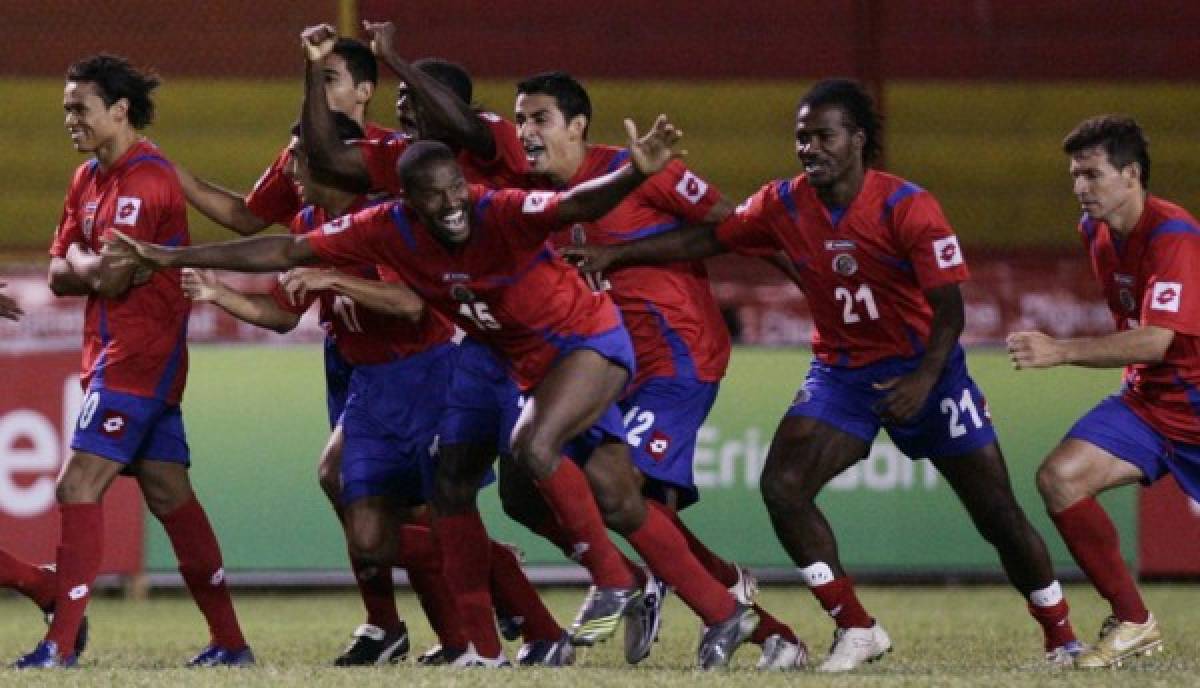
[(548, 138), (438, 193), (828, 145), (89, 122), (1102, 189)]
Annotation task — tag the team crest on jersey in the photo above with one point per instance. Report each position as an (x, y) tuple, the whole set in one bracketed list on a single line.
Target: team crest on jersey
[(839, 245), (335, 226), (1166, 296), (658, 445), (535, 202), (1126, 298), (947, 252), (128, 209), (844, 264), (691, 187), (1123, 280), (461, 293)]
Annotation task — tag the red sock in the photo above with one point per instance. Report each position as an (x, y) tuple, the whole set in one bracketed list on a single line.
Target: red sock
[(1092, 539), (377, 592), (566, 491), (79, 556), (419, 556), (768, 626), (722, 570), (514, 593), (200, 563), (466, 563), (837, 597), (666, 552), (1056, 627), (35, 583)]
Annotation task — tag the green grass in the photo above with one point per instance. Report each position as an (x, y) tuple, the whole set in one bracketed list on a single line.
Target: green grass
[(952, 637)]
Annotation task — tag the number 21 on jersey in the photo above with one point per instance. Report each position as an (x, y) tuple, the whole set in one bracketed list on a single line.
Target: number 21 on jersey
[(851, 301)]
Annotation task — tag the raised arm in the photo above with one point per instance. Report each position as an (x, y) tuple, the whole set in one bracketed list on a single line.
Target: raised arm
[(222, 206), (389, 298), (438, 108), (256, 254), (202, 286), (330, 160), (1145, 344)]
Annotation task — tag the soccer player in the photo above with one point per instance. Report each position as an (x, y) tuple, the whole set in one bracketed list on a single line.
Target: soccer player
[(681, 344), (1145, 252), (134, 360), (880, 267), (8, 306), (480, 257)]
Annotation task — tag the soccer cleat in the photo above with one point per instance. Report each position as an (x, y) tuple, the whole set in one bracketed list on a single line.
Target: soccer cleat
[(722, 639), (1119, 641), (439, 655), (643, 619), (217, 656), (1064, 655), (81, 636), (745, 590), (547, 653), (854, 646), (373, 646), (470, 659), (601, 612), (45, 656), (781, 654), (510, 624)]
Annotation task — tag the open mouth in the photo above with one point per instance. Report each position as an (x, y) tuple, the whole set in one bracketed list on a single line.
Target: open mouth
[(815, 167), (534, 151), (455, 221)]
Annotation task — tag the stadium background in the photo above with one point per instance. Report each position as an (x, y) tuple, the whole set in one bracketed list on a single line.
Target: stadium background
[(977, 96)]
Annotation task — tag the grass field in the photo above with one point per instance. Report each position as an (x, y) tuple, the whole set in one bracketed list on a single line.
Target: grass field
[(951, 637)]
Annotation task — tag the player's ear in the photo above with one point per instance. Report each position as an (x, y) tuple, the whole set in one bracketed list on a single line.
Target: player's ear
[(120, 109), (1132, 173), (363, 91), (578, 126), (859, 140)]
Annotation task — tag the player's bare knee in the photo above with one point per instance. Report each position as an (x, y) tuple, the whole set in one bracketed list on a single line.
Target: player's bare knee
[(1059, 483), (536, 453)]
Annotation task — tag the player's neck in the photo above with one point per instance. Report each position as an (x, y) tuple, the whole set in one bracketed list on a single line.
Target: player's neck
[(1124, 218), (359, 115), (337, 204), (562, 173), (843, 191), (111, 150)]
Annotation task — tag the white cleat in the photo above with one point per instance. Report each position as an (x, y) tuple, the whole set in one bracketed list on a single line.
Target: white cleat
[(853, 647), (745, 590), (1120, 641), (473, 660), (781, 654), (1063, 656)]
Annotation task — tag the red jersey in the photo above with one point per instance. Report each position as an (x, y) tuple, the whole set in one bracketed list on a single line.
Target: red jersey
[(505, 286), (137, 342), (363, 336), (507, 169), (672, 317), (864, 268), (275, 198), (1152, 277)]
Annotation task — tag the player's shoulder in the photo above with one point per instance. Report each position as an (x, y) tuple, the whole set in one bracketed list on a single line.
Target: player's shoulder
[(604, 158), (1170, 221), (893, 191), (147, 163)]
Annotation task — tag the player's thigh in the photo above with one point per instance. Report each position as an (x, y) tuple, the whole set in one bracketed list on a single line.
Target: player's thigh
[(165, 485), (614, 480), (805, 454), (574, 394), (86, 478), (980, 479), (1077, 469)]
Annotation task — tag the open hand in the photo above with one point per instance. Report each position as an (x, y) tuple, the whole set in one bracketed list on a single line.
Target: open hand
[(121, 249), (906, 396), (200, 285), (589, 257), (297, 282), (656, 149)]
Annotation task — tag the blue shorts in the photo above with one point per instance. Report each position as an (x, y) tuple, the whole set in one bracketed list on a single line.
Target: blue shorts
[(661, 419), (954, 421), (1116, 429), (614, 344), (481, 400), (125, 428), (390, 423), (337, 382)]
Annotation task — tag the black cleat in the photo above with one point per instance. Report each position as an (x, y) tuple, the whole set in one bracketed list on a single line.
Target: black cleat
[(373, 646)]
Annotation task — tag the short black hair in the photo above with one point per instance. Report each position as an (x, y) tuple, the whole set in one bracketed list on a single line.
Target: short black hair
[(569, 95), (418, 156), (449, 74), (858, 105), (360, 61), (1121, 138), (347, 128), (116, 78)]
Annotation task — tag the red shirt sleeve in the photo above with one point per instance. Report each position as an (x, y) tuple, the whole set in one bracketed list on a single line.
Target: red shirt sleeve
[(527, 218), (749, 230), (929, 242), (355, 239), (274, 197), (1172, 297), (380, 158), (69, 229), (508, 167), (680, 192)]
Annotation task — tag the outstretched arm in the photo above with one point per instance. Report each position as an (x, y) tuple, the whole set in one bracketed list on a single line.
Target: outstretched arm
[(330, 160), (1145, 344), (222, 206), (257, 309), (389, 298), (439, 109), (256, 254)]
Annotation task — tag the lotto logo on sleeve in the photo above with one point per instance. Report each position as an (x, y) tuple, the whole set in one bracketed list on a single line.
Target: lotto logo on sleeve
[(127, 211), (114, 423), (658, 446), (1165, 296), (691, 187), (535, 202), (335, 226), (947, 252)]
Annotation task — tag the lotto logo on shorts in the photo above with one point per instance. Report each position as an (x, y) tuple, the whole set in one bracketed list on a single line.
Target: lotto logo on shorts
[(1166, 296), (535, 202), (127, 211), (691, 187), (114, 424), (947, 252), (658, 446)]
